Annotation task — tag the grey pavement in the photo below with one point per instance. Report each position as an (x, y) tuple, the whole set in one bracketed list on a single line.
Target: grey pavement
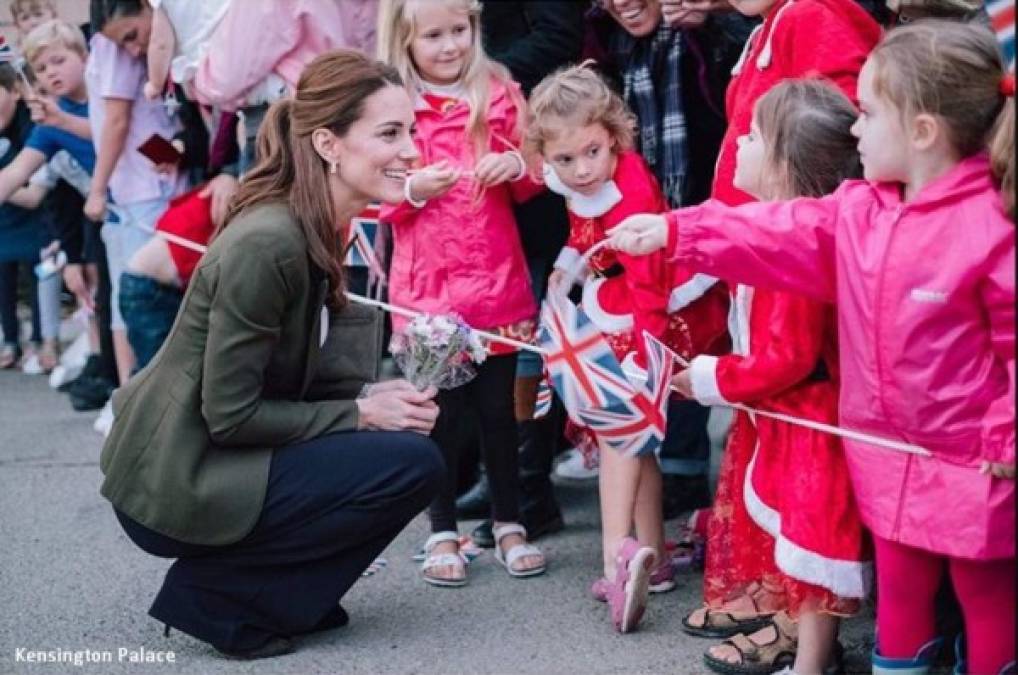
[(70, 580)]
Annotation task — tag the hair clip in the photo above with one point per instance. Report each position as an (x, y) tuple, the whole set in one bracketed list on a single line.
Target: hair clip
[(1007, 85)]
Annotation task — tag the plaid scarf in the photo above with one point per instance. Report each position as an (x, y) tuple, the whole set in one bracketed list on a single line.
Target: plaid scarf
[(651, 79)]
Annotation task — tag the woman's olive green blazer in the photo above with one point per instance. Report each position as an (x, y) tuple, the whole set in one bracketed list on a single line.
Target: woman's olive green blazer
[(241, 373)]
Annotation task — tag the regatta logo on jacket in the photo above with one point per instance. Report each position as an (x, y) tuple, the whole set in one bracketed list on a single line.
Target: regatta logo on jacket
[(923, 295)]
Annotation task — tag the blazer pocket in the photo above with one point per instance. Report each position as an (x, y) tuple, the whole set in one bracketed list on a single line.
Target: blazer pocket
[(353, 346)]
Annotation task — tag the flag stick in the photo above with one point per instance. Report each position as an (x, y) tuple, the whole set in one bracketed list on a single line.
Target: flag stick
[(819, 426)]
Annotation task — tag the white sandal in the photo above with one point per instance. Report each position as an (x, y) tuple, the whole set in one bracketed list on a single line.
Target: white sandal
[(516, 552), (443, 560)]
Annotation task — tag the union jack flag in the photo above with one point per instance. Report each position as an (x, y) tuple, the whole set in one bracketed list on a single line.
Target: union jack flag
[(1002, 19), (637, 426), (6, 53), (360, 248), (544, 395), (582, 366)]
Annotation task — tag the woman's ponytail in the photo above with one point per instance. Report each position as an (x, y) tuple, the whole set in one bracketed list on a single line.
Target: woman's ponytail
[(1002, 152), (273, 175)]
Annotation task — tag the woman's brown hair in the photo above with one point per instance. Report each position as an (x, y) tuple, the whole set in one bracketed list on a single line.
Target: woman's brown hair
[(952, 70), (330, 95), (806, 129)]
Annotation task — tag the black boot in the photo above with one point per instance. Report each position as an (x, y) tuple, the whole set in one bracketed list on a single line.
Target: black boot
[(683, 494), (475, 502), (539, 511)]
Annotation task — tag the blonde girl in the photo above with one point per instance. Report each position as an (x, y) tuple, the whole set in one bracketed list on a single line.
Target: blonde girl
[(457, 248)]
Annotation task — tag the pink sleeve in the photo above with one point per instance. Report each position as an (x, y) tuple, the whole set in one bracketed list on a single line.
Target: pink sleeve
[(252, 38), (998, 301), (783, 246)]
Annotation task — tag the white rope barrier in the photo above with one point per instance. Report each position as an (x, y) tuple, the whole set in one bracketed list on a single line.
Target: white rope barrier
[(494, 337), (819, 426)]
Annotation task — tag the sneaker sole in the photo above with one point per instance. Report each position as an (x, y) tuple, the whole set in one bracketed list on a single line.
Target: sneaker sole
[(637, 589)]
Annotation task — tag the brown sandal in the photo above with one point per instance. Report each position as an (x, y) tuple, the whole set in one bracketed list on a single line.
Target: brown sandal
[(757, 658), (719, 623)]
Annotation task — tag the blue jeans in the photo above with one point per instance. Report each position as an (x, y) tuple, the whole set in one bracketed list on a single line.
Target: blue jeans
[(149, 309)]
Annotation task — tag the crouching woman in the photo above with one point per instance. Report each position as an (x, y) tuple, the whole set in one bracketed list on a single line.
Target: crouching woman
[(252, 448)]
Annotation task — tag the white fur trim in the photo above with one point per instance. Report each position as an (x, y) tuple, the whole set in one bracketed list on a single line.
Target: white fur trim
[(844, 578), (737, 68), (738, 319), (687, 293), (567, 259), (703, 375), (634, 373), (607, 322), (585, 206)]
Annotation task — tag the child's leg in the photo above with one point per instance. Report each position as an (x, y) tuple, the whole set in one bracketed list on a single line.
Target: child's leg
[(907, 581), (647, 513), (33, 295), (986, 591), (492, 397), (817, 634), (619, 484), (9, 302), (92, 279), (442, 510)]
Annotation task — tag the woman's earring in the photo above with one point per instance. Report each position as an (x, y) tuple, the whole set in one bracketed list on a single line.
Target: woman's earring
[(333, 166)]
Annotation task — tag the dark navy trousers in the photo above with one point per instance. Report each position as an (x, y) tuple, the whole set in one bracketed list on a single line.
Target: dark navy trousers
[(333, 504)]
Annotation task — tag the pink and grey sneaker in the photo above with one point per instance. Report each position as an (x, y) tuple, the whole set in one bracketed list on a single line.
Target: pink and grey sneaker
[(662, 580), (627, 595)]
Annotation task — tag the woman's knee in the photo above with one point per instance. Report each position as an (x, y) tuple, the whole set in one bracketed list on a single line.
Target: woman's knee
[(419, 459)]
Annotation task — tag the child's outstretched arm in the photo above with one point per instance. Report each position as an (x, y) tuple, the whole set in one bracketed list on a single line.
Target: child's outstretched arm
[(785, 246), (16, 174), (998, 299), (162, 44)]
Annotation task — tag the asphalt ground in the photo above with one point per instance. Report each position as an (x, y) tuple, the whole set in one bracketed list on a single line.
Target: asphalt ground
[(72, 584)]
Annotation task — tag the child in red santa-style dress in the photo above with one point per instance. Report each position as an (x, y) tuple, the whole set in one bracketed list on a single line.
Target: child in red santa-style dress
[(583, 133)]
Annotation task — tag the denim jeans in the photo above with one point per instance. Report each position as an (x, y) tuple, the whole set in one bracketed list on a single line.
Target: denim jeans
[(149, 309)]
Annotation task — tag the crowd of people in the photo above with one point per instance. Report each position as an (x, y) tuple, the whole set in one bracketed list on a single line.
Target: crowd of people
[(751, 166)]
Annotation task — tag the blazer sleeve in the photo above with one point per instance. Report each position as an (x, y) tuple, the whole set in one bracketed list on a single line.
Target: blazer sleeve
[(784, 246), (782, 356), (245, 318), (997, 293)]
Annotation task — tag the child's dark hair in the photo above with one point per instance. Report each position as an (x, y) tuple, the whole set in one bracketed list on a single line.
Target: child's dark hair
[(8, 77), (954, 71), (103, 11), (806, 128)]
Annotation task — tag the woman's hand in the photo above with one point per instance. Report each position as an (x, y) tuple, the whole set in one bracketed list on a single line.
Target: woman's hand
[(432, 181), (683, 384), (498, 167), (395, 405), (640, 234), (997, 469)]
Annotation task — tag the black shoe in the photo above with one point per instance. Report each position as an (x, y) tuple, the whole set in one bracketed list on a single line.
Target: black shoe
[(475, 502), (683, 494), (541, 521), (90, 393), (483, 536), (275, 646)]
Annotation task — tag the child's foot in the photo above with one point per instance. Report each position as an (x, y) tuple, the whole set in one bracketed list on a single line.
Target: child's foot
[(444, 566), (771, 647), (627, 597), (10, 354), (744, 614), (512, 550), (662, 580)]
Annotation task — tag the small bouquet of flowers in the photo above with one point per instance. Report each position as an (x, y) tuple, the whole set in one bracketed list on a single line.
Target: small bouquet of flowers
[(438, 350)]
